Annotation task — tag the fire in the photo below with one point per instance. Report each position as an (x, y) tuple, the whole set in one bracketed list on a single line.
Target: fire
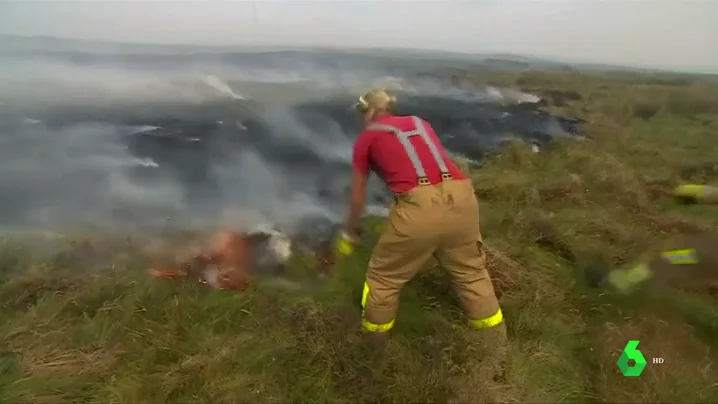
[(233, 256), (225, 265)]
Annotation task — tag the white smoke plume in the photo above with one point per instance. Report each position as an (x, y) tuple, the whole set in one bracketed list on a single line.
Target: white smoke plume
[(123, 142)]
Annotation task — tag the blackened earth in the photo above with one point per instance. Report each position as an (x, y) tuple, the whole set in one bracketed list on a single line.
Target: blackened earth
[(151, 164)]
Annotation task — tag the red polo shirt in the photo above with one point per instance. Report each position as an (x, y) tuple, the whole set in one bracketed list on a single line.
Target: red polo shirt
[(381, 152)]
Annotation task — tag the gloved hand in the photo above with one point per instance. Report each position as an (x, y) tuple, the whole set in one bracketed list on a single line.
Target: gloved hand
[(625, 280), (344, 243)]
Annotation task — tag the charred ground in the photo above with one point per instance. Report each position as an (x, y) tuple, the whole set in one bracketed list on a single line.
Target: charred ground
[(72, 334)]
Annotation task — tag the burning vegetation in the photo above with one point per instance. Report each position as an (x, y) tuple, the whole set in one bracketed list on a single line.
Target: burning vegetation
[(232, 257)]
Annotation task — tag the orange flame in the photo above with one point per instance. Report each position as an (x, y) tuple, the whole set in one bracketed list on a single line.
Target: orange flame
[(230, 252)]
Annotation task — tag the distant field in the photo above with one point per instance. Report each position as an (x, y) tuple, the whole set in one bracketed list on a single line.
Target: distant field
[(117, 336)]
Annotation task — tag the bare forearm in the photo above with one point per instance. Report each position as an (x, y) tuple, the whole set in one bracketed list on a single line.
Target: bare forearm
[(356, 204), (356, 210)]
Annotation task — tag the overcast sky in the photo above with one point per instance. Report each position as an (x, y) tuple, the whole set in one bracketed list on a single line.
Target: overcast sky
[(657, 33)]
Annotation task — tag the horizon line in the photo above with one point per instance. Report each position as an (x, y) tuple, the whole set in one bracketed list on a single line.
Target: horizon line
[(278, 47)]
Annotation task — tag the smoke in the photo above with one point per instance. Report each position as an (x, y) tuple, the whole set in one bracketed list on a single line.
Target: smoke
[(142, 142), (75, 175)]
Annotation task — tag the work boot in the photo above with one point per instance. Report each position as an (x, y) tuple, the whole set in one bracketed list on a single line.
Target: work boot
[(487, 362), (377, 339), (373, 346), (492, 345)]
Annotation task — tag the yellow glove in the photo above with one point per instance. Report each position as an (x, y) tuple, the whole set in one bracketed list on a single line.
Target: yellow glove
[(624, 280), (689, 191), (697, 193), (344, 244)]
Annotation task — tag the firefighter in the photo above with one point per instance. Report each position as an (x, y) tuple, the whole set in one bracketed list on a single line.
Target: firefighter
[(435, 214)]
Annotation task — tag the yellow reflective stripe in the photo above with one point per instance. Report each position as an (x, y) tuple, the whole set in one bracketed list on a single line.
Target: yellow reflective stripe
[(364, 295), (488, 322), (689, 190), (625, 279), (681, 257), (369, 325), (377, 327)]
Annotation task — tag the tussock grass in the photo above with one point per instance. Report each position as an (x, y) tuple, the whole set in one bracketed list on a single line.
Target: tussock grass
[(85, 324)]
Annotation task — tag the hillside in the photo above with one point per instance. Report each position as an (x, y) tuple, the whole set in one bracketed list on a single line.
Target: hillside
[(78, 329)]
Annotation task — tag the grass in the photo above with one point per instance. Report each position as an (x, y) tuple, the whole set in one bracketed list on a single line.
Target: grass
[(79, 330)]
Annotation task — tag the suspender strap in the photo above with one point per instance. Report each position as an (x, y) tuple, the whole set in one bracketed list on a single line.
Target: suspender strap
[(403, 136)]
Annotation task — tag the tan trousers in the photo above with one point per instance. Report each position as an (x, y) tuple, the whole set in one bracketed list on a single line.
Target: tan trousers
[(440, 221)]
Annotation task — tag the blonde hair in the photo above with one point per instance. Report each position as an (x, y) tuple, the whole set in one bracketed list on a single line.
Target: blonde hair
[(377, 99)]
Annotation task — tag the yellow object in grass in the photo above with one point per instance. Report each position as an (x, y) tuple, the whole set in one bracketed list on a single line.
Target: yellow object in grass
[(344, 244), (626, 279)]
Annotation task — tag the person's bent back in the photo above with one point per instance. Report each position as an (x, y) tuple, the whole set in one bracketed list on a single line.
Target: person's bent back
[(435, 213)]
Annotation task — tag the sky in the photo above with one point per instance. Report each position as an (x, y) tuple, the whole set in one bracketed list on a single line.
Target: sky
[(673, 34)]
